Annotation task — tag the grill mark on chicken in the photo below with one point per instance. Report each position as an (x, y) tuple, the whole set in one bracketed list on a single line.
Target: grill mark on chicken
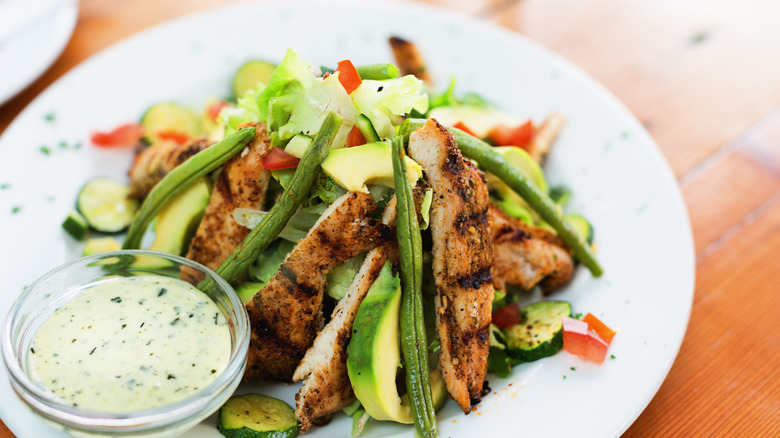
[(462, 259), (525, 255), (243, 183), (286, 315), (152, 163)]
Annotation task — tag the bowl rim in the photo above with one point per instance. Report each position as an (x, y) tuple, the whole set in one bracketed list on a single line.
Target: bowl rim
[(149, 419)]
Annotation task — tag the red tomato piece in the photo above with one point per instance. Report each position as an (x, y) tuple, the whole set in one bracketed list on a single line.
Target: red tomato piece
[(520, 135), (348, 75), (462, 126), (580, 340), (175, 136), (124, 135), (600, 328), (277, 158), (507, 316), (355, 137), (214, 108)]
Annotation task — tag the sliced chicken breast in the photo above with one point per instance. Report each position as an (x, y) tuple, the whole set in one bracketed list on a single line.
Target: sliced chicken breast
[(154, 162), (525, 255), (242, 183), (462, 259)]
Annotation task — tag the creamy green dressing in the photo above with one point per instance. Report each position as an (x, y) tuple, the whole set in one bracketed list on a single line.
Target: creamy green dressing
[(131, 343)]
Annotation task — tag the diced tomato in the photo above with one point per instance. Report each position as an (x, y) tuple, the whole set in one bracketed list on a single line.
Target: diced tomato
[(124, 135), (462, 126), (507, 316), (600, 328), (355, 137), (348, 75), (520, 136), (277, 158), (214, 108), (580, 340), (176, 136)]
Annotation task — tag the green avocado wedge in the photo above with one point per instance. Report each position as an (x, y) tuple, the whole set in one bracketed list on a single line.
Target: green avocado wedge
[(374, 355), (179, 219)]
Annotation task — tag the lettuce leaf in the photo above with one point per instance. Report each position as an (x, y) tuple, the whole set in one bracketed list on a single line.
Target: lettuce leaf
[(385, 102), (295, 102)]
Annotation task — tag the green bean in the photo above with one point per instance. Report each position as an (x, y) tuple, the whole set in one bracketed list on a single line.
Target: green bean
[(377, 72), (181, 178), (491, 161), (413, 340), (238, 262)]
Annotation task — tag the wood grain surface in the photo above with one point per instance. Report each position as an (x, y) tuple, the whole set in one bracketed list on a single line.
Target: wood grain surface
[(704, 79)]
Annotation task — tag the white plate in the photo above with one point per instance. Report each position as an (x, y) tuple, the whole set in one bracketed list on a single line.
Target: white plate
[(619, 178), (42, 29)]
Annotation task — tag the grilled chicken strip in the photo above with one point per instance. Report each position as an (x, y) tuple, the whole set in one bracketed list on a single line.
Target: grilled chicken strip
[(242, 184), (153, 163), (525, 255), (462, 258), (286, 314), (408, 59), (327, 388)]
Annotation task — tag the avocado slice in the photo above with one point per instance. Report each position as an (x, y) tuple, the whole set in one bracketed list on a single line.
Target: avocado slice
[(179, 219), (374, 353), (353, 168), (512, 201)]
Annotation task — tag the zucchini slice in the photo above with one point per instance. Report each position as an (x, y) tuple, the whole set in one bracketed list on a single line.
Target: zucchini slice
[(367, 129), (106, 205), (581, 225), (257, 416), (172, 119), (101, 244), (540, 334), (250, 74), (75, 225)]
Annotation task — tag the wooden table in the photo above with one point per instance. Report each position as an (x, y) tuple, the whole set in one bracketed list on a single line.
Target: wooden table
[(704, 79)]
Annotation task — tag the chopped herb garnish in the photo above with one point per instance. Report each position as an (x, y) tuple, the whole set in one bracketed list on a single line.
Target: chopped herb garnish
[(142, 324), (93, 350), (16, 209), (124, 325), (32, 350), (171, 376), (161, 292), (45, 150), (216, 318), (5, 186), (578, 315), (62, 144), (50, 117), (175, 321), (116, 299), (564, 377), (611, 356), (212, 371), (573, 369)]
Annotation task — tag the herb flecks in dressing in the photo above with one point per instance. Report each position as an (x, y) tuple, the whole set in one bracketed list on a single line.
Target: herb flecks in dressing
[(88, 354)]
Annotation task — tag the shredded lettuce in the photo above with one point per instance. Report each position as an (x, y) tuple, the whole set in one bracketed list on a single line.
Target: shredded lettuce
[(297, 227), (448, 98), (385, 102), (342, 276), (294, 101), (246, 111)]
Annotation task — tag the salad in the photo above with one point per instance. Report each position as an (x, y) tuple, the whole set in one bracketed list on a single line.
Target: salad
[(378, 232)]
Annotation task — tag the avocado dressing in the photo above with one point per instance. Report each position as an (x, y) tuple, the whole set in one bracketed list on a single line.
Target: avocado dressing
[(131, 343)]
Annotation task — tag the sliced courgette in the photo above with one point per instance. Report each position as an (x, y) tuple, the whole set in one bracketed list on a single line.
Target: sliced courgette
[(101, 244), (366, 128), (257, 416), (75, 225), (106, 205), (250, 74), (170, 119), (540, 334), (581, 225)]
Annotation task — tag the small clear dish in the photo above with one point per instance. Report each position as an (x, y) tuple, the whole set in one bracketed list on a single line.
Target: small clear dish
[(50, 292)]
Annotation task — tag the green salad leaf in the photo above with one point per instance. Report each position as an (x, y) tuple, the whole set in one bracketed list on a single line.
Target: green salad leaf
[(385, 102)]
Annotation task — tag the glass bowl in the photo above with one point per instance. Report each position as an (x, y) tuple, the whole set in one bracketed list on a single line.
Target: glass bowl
[(39, 302)]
